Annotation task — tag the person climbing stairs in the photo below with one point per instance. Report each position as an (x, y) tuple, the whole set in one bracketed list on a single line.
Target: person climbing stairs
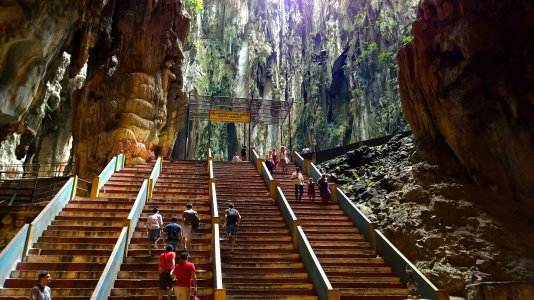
[(347, 258), (179, 183), (77, 245), (265, 264)]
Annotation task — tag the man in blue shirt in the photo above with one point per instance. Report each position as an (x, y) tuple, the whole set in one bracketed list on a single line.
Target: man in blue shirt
[(174, 234)]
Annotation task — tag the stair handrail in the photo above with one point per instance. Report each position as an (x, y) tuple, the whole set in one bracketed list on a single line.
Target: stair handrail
[(299, 161), (398, 262), (51, 210), (112, 167), (135, 212), (270, 183), (218, 289), (254, 157), (13, 253), (154, 175), (18, 248), (111, 270), (120, 251), (289, 216), (219, 292), (381, 245), (321, 283), (315, 270)]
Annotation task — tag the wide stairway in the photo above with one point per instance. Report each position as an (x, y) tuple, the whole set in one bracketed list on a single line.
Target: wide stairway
[(346, 257), (264, 264), (76, 246), (179, 183)]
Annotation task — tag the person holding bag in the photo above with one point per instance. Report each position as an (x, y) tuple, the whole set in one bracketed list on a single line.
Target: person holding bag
[(166, 263)]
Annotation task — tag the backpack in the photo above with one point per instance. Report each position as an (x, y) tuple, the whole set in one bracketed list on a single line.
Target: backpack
[(231, 216), (195, 224)]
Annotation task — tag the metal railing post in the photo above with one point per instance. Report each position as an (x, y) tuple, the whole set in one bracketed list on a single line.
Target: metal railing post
[(372, 235)]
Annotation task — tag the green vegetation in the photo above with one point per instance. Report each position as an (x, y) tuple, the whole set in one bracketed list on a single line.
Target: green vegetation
[(407, 39), (367, 48), (193, 7)]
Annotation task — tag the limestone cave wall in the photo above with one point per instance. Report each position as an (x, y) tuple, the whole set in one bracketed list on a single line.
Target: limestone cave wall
[(466, 83), (132, 99), (333, 58)]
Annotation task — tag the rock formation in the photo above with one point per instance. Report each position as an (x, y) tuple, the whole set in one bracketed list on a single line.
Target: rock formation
[(133, 52), (467, 85), (462, 237), (124, 104), (334, 58), (33, 36)]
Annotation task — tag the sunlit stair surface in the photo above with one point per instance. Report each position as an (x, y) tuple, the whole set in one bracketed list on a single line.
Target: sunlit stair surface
[(179, 183), (264, 264), (346, 257), (126, 182), (76, 246)]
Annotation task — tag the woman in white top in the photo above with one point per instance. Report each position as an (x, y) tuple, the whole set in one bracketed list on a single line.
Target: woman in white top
[(236, 158)]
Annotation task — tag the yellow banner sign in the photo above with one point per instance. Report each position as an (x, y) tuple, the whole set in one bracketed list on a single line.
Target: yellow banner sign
[(229, 116)]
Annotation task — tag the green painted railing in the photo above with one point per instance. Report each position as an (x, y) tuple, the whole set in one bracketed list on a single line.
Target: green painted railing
[(356, 216), (320, 281), (109, 275), (289, 216), (105, 175), (266, 175), (317, 275), (381, 244), (13, 253), (398, 262), (299, 161)]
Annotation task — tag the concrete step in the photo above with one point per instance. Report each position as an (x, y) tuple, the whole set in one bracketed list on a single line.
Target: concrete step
[(153, 291), (65, 259), (79, 293)]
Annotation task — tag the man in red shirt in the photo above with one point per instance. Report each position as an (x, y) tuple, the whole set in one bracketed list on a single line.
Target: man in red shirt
[(184, 271), (166, 263)]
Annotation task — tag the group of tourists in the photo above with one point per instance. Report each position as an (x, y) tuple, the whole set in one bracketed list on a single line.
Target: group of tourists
[(272, 161), (322, 184), (178, 236), (176, 272)]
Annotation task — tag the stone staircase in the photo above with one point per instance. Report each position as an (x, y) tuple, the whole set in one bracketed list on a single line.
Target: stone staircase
[(76, 246), (179, 183), (264, 264), (346, 257)]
